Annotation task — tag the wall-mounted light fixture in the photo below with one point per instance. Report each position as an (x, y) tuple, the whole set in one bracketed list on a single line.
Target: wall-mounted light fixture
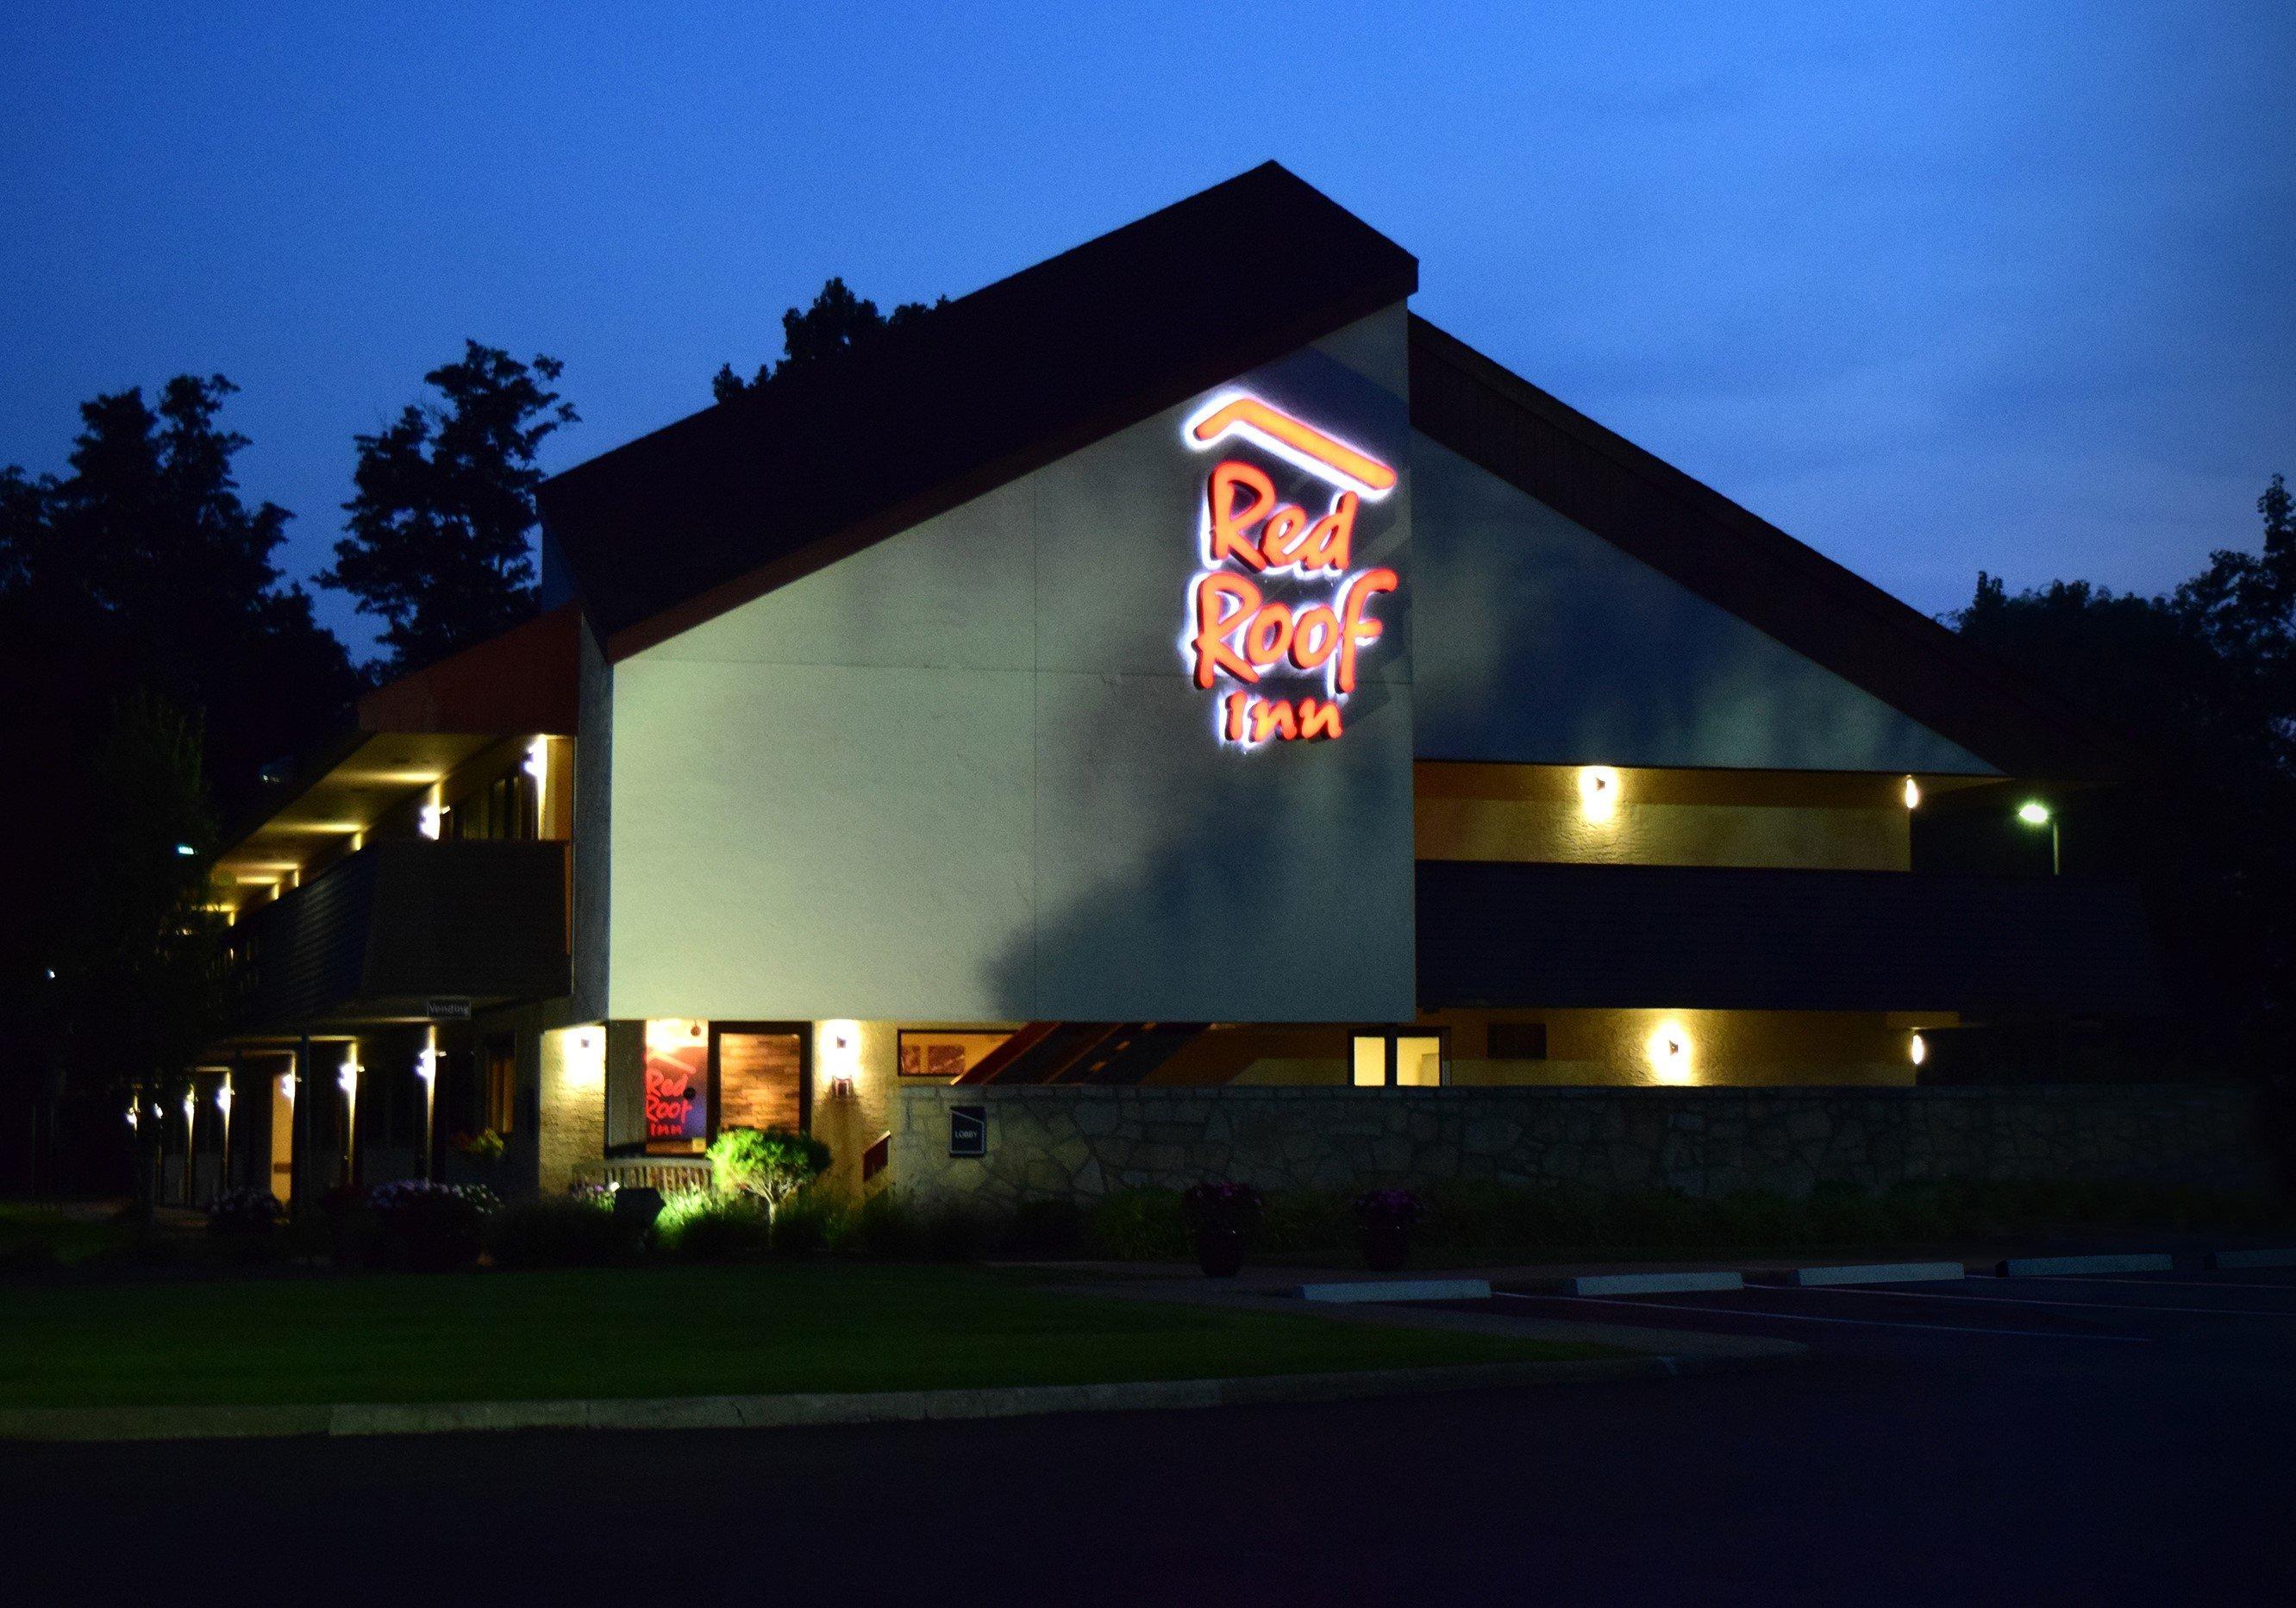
[(1668, 1050), (842, 1054), (1912, 793), (1918, 1049), (1598, 792)]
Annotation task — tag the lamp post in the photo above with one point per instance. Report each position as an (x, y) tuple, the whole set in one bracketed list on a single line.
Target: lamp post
[(2034, 812)]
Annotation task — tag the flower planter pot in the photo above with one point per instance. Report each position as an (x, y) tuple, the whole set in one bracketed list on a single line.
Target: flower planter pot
[(1386, 1247), (1219, 1253)]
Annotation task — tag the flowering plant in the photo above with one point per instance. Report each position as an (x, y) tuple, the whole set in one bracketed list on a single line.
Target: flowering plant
[(1221, 1205), (591, 1192), (431, 1225), (1389, 1208), (244, 1211), (486, 1146)]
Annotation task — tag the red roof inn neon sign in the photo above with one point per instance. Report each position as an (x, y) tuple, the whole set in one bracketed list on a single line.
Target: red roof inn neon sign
[(1236, 633)]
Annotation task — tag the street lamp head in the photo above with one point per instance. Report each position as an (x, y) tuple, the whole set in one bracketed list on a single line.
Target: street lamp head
[(2033, 812)]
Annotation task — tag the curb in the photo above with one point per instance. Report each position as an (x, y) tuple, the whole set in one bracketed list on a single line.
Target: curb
[(2040, 1266), (1398, 1290), (2230, 1260), (1652, 1284), (1876, 1273), (834, 1408)]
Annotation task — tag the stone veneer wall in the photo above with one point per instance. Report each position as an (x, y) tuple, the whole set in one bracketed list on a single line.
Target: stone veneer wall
[(1699, 1141)]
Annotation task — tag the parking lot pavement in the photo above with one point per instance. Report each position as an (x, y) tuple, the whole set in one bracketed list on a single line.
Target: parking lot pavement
[(2229, 1315)]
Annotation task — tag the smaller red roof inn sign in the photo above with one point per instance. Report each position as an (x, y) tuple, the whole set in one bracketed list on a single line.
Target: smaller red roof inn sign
[(1238, 634)]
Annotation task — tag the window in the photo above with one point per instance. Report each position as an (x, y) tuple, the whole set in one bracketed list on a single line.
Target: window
[(498, 1069), (677, 1086), (507, 809), (1398, 1059), (1518, 1041), (760, 1076), (947, 1056)]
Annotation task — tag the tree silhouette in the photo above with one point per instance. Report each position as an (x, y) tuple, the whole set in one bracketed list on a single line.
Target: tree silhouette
[(838, 323), (138, 596), (441, 529), (2202, 679)]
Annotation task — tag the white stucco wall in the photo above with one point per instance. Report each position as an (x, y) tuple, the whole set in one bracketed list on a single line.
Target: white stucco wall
[(1539, 643), (964, 775)]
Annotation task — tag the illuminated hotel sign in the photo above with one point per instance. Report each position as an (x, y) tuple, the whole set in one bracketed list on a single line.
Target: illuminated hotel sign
[(1254, 649)]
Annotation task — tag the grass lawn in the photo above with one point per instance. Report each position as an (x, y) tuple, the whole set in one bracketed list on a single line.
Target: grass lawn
[(649, 1332)]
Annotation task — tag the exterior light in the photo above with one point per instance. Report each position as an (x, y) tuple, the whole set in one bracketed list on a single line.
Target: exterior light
[(431, 821), (1917, 1050), (287, 1087), (2034, 812), (1598, 792), (347, 1076), (844, 1057), (1668, 1050), (131, 1114), (1912, 793), (52, 974), (185, 849), (223, 1097)]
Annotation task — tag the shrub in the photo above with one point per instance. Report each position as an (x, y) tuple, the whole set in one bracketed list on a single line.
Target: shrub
[(955, 1233), (430, 1227), (1052, 1226), (245, 1213), (807, 1224), (1220, 1205), (1137, 1226), (770, 1163), (1389, 1208), (715, 1228), (883, 1226), (561, 1232)]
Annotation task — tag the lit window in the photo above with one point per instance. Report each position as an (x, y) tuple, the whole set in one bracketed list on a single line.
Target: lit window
[(1371, 1060)]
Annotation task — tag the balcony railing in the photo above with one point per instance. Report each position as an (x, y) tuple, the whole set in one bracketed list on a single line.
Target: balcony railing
[(385, 930)]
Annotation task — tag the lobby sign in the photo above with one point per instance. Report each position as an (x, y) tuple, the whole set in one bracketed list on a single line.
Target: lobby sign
[(1278, 615)]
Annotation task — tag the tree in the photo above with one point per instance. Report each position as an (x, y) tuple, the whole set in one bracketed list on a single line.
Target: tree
[(441, 527), (139, 579), (838, 323), (770, 1163), (140, 966), (2202, 678)]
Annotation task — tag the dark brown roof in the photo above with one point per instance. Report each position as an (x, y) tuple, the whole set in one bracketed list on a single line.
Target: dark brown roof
[(1739, 562), (523, 681), (725, 505)]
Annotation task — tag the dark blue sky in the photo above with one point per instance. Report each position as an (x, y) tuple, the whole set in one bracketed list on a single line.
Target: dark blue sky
[(1934, 288)]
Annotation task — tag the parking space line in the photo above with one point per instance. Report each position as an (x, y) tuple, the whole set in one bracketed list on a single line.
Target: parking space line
[(2035, 1300), (1808, 1317)]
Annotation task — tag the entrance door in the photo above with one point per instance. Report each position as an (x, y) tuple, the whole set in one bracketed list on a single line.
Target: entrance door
[(762, 1074)]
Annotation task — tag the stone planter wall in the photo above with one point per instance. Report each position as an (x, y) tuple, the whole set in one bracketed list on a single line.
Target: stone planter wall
[(1087, 1142)]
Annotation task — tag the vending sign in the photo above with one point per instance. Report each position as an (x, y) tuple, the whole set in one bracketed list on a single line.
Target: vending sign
[(1280, 613)]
